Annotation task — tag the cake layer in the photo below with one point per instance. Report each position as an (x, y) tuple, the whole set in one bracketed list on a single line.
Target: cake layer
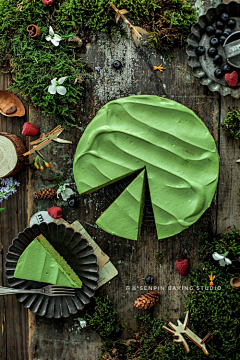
[(41, 262), (167, 139), (124, 215)]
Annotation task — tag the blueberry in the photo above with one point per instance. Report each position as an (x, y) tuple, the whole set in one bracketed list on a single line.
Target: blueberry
[(218, 33), (229, 31), (117, 64), (231, 23), (218, 73), (73, 202), (224, 17), (214, 42), (222, 39), (227, 69), (149, 279), (218, 59), (219, 25), (212, 52), (210, 30), (200, 50)]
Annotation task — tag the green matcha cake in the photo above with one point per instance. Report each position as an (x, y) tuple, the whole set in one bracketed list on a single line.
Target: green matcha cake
[(166, 139), (41, 262), (126, 209)]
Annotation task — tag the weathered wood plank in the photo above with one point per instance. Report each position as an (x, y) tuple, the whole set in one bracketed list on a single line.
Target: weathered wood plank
[(13, 317)]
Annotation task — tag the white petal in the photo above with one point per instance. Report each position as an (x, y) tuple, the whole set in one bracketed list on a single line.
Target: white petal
[(54, 81), (57, 37), (64, 186), (217, 256), (54, 41), (61, 81), (222, 262), (52, 89), (65, 196), (83, 323), (69, 192), (48, 38), (61, 90), (51, 32), (228, 261)]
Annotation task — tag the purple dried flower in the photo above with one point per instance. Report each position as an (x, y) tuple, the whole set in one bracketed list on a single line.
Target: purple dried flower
[(98, 68), (8, 188)]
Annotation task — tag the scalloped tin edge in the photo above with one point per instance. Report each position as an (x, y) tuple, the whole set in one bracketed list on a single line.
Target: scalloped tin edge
[(193, 40)]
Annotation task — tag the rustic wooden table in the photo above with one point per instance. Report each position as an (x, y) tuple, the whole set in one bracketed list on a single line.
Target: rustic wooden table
[(26, 336)]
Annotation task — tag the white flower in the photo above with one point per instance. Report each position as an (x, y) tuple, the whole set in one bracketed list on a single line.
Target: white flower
[(65, 192), (83, 323), (223, 260), (55, 87), (54, 38)]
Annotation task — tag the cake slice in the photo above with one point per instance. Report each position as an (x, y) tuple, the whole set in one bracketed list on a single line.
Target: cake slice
[(124, 216), (41, 262)]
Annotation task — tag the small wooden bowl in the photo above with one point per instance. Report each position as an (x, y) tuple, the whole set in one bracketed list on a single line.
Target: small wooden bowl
[(235, 283), (10, 102)]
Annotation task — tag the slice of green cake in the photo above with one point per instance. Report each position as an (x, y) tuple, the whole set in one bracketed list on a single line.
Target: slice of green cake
[(41, 262), (124, 216)]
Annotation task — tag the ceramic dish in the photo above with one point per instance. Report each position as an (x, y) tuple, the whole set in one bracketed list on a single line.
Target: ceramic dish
[(76, 251), (203, 66)]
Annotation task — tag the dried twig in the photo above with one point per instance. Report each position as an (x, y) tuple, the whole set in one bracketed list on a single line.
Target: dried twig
[(136, 31)]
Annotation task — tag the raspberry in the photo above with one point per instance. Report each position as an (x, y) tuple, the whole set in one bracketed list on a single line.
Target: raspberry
[(182, 266), (55, 212), (232, 79), (29, 129)]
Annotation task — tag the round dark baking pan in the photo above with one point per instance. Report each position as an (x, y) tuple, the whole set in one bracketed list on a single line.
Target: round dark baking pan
[(203, 66), (76, 251)]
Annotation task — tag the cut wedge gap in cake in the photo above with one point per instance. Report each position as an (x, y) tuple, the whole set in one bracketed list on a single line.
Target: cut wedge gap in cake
[(124, 216), (41, 262), (148, 221)]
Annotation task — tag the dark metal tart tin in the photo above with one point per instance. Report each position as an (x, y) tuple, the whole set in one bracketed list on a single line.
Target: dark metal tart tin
[(79, 255), (203, 66)]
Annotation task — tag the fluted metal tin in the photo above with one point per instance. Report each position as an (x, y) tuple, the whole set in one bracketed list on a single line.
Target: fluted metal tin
[(76, 251), (203, 66)]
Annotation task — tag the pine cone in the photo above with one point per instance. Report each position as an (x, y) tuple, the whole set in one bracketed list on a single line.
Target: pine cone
[(147, 301), (45, 194)]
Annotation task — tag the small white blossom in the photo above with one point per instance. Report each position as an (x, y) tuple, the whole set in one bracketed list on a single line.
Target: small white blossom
[(54, 38), (223, 260), (65, 192), (56, 86)]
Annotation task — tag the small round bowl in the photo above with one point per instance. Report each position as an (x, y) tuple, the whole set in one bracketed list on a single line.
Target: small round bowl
[(76, 251), (235, 283)]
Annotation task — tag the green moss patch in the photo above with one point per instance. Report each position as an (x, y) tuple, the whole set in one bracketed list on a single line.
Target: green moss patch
[(216, 311)]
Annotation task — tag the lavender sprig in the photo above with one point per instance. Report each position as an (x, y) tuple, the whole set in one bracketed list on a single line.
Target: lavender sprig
[(8, 188)]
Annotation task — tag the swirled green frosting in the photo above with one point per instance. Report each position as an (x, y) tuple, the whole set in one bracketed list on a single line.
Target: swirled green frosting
[(163, 137)]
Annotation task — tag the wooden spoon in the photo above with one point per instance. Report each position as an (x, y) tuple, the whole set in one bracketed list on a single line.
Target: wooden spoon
[(10, 105)]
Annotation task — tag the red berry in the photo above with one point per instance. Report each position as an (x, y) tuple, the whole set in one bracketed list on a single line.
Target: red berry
[(29, 129), (232, 79), (182, 266), (47, 2), (55, 212)]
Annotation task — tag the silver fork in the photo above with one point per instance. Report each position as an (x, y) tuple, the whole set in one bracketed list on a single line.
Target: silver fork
[(49, 290)]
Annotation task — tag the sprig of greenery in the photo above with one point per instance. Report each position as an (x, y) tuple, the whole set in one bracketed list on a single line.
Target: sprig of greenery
[(231, 124)]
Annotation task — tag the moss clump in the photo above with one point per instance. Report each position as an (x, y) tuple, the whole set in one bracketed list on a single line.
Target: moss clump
[(216, 311), (231, 124), (104, 318), (33, 63), (169, 21)]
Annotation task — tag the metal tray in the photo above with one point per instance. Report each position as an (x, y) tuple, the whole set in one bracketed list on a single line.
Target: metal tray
[(76, 251), (203, 67)]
